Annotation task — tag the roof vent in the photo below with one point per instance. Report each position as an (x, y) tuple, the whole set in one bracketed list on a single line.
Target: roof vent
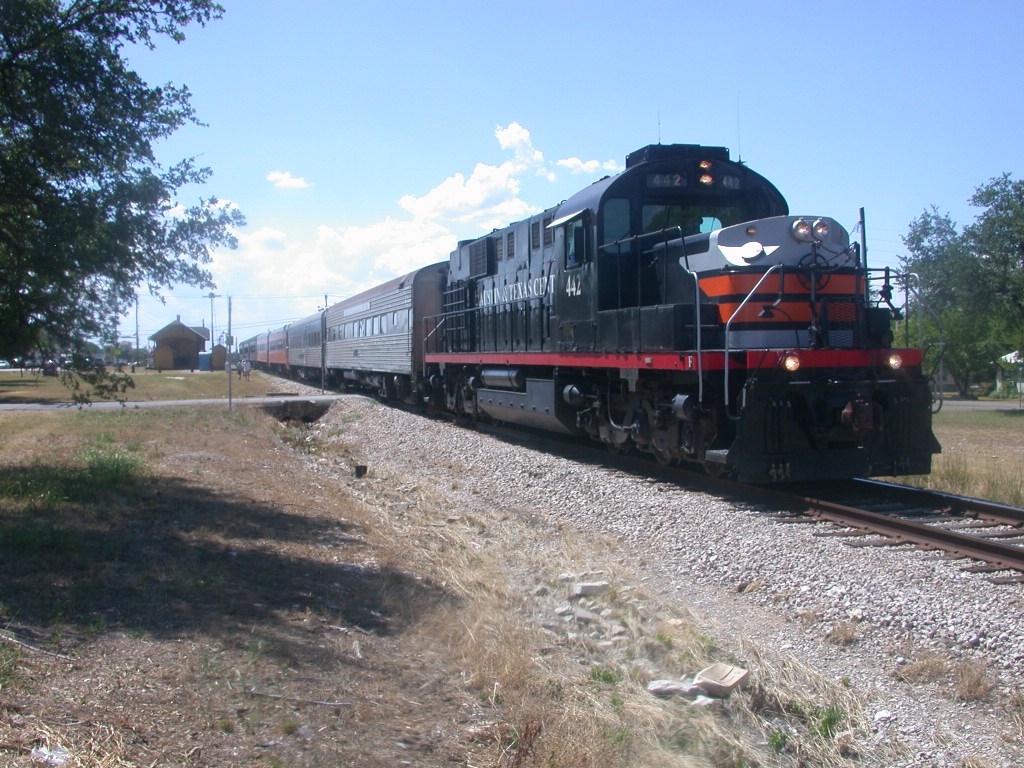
[(653, 152)]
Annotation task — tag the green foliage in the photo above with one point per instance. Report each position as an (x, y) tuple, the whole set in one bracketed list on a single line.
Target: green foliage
[(778, 740), (87, 215), (89, 382), (604, 675), (997, 240), (112, 469), (825, 721), (972, 281), (10, 657)]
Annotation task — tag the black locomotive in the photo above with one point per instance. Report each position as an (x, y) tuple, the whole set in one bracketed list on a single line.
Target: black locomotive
[(675, 308)]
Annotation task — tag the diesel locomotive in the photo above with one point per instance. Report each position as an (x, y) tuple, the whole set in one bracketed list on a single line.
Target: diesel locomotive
[(676, 308)]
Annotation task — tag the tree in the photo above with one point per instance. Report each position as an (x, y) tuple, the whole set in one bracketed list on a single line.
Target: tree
[(997, 238), (87, 215), (949, 280), (973, 281)]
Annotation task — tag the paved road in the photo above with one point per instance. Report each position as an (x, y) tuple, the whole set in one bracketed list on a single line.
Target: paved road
[(982, 405), (223, 401)]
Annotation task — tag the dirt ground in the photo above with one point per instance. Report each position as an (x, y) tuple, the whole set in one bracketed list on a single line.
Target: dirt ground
[(214, 616), (250, 601)]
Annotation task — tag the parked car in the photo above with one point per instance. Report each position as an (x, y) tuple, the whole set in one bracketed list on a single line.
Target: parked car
[(4, 364)]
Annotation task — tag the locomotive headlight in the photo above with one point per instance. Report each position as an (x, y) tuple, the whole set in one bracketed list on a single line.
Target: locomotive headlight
[(895, 361), (791, 362), (706, 180), (820, 229), (803, 230)]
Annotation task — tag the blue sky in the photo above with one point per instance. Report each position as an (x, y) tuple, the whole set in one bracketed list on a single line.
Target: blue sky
[(363, 139)]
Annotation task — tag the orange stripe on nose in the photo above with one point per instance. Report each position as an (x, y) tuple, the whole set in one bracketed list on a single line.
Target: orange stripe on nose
[(741, 284)]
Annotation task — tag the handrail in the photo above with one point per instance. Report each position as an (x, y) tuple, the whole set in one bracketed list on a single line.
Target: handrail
[(697, 334), (728, 323), (685, 265), (922, 309)]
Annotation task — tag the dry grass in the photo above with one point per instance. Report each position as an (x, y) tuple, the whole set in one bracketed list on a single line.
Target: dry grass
[(927, 668), (206, 614), (982, 452), (972, 681), (1015, 707), (968, 680), (843, 633), (564, 694), (150, 385)]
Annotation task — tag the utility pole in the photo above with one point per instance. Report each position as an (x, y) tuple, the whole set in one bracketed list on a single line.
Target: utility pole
[(135, 352), (227, 365), (211, 296)]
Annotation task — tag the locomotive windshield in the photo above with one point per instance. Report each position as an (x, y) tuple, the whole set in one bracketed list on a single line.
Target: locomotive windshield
[(633, 205), (692, 219)]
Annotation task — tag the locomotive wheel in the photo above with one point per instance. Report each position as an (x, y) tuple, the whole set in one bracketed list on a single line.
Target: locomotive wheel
[(620, 449), (665, 459)]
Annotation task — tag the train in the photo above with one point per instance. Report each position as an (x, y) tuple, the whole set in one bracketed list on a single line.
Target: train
[(675, 308)]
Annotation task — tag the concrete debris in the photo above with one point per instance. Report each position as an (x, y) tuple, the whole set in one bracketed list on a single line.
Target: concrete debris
[(721, 679), (587, 589), (705, 701), (668, 688), (583, 616)]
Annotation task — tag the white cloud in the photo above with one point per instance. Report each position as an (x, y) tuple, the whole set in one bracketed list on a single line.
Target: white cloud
[(575, 165), (517, 138), (285, 180), (463, 199), (278, 275)]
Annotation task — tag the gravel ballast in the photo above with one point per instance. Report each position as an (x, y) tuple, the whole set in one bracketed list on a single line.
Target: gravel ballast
[(860, 615)]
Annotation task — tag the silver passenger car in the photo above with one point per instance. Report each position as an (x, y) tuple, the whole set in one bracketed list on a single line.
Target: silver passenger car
[(375, 339), (305, 347)]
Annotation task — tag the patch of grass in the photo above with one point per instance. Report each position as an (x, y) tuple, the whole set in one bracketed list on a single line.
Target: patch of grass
[(98, 470), (10, 658), (665, 639), (972, 681), (27, 537), (1015, 705), (599, 674), (290, 727), (825, 721), (926, 669), (618, 704), (111, 468), (778, 740), (981, 454), (149, 385), (843, 633)]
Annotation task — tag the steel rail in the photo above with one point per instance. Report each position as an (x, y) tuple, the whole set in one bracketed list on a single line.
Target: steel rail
[(1003, 513), (927, 536)]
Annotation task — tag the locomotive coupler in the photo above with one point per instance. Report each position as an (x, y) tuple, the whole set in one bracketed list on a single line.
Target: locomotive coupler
[(861, 416)]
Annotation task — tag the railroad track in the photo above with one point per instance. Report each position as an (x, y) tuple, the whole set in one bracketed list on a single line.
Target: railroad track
[(988, 533), (867, 512)]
